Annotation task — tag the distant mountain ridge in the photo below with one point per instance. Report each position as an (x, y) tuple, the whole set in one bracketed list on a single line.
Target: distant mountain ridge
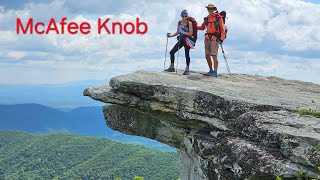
[(53, 95), (37, 118), (89, 121)]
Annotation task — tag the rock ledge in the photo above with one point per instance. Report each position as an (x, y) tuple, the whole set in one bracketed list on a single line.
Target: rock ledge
[(231, 127)]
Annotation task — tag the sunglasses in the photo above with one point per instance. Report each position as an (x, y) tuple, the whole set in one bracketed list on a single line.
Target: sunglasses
[(184, 16), (210, 9)]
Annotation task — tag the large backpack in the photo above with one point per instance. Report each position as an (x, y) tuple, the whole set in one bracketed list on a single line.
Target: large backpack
[(222, 15), (194, 27)]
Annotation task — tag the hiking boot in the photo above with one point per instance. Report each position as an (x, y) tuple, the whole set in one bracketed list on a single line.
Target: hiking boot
[(213, 73), (186, 71), (171, 69)]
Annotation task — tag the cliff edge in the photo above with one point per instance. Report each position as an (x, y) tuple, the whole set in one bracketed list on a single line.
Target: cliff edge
[(231, 127)]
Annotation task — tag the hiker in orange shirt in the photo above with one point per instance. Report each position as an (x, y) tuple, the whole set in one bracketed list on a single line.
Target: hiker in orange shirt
[(215, 33)]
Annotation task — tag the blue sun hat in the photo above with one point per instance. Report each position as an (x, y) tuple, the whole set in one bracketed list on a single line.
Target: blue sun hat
[(184, 13)]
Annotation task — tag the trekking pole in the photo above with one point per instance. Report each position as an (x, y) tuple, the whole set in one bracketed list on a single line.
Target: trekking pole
[(178, 56), (165, 56), (225, 59)]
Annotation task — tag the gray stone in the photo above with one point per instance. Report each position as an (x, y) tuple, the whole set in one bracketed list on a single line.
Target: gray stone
[(230, 127)]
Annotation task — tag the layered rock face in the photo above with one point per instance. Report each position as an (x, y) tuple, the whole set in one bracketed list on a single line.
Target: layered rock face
[(231, 127)]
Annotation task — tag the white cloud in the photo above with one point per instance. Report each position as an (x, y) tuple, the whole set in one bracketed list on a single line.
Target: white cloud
[(265, 37), (16, 54), (7, 37), (8, 18)]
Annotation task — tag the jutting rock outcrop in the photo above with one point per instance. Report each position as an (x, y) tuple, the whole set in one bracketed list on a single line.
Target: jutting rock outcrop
[(231, 127)]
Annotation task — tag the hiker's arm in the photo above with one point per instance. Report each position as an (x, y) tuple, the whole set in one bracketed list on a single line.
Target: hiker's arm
[(169, 35), (190, 30), (202, 27), (222, 29), (173, 35)]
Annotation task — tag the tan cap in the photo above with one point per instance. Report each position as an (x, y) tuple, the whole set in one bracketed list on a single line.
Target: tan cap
[(211, 6)]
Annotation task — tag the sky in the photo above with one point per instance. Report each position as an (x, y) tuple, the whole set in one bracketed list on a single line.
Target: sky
[(265, 37)]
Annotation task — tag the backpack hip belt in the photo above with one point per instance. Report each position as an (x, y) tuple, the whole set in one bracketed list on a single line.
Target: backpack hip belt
[(216, 34)]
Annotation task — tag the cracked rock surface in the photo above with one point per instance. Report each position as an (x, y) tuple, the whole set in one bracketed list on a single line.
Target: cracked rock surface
[(230, 127)]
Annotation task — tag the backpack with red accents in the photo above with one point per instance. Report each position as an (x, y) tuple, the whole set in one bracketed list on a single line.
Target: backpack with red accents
[(194, 27)]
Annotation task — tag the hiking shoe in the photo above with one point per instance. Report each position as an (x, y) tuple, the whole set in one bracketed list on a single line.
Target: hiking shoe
[(207, 74), (213, 73), (186, 71), (171, 69)]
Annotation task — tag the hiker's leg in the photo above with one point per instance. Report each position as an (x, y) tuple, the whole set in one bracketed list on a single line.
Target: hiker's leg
[(173, 51), (216, 63), (214, 53), (208, 52), (208, 57), (187, 53)]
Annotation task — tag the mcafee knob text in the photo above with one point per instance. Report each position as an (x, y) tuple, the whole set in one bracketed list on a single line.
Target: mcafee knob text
[(64, 27)]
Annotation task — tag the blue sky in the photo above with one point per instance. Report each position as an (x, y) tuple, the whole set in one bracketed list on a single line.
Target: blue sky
[(271, 38), (314, 1)]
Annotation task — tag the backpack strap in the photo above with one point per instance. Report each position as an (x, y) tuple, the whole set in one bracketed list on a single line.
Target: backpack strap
[(218, 15), (188, 22), (216, 23), (206, 21)]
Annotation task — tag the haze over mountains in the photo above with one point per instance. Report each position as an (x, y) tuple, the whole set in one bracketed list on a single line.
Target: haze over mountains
[(53, 95), (59, 107), (89, 121)]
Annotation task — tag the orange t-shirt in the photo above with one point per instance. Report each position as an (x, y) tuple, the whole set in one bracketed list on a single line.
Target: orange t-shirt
[(211, 28)]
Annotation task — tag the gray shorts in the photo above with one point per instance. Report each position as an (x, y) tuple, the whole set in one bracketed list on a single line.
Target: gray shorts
[(211, 47)]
